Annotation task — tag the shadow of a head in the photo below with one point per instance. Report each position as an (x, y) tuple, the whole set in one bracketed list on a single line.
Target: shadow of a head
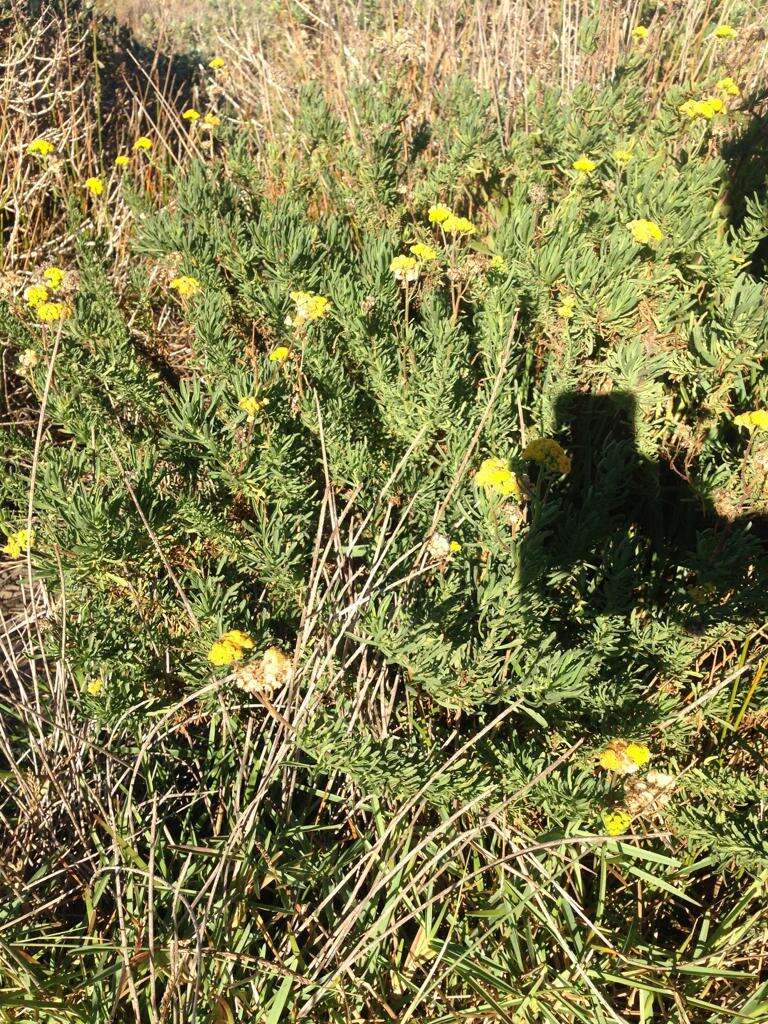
[(622, 529)]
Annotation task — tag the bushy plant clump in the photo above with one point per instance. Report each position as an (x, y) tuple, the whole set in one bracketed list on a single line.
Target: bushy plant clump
[(444, 452), (364, 333)]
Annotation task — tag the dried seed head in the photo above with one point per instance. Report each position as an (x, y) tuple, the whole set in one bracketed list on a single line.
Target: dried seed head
[(649, 794)]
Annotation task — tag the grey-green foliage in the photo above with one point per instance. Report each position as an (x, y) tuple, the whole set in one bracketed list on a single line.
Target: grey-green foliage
[(575, 602)]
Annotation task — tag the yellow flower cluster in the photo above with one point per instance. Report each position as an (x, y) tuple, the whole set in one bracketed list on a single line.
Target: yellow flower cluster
[(449, 222), (94, 185), (584, 165), (624, 757), (209, 120), (122, 160), (17, 543), (495, 476), (616, 821), (755, 420), (438, 213), (454, 225), (407, 268), (230, 647), (95, 686), (35, 294), (38, 296), (423, 252), (279, 354), (548, 453), (404, 268), (728, 86), (639, 32), (724, 32), (50, 312), (186, 286), (216, 64), (252, 406), (308, 307), (54, 277), (645, 232), (706, 108), (622, 156), (566, 307), (40, 147), (142, 144)]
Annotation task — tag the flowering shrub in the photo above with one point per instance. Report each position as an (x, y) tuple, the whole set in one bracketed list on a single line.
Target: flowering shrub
[(488, 443), (425, 398)]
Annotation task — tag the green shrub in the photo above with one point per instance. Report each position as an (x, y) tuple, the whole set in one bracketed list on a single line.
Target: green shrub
[(452, 642)]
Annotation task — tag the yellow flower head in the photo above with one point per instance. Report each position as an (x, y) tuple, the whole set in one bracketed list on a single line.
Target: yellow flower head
[(223, 653), (252, 406), (35, 294), (95, 686), (230, 647), (122, 160), (17, 543), (237, 637), (49, 312), (186, 286), (624, 758), (584, 165), (439, 213), (494, 475), (611, 760), (28, 360), (566, 307), (279, 354), (728, 86), (454, 225), (216, 64), (645, 232), (53, 277), (638, 753), (639, 32), (616, 822), (190, 114), (423, 252), (710, 106), (454, 547), (405, 268), (94, 185), (689, 109), (309, 307), (499, 263), (142, 143), (40, 147), (622, 156), (548, 453), (706, 108), (755, 420), (211, 121), (724, 32)]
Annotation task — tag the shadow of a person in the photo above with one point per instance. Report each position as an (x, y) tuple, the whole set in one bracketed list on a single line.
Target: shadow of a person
[(622, 532)]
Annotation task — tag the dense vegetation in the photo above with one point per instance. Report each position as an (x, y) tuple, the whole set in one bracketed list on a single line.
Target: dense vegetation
[(390, 495)]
